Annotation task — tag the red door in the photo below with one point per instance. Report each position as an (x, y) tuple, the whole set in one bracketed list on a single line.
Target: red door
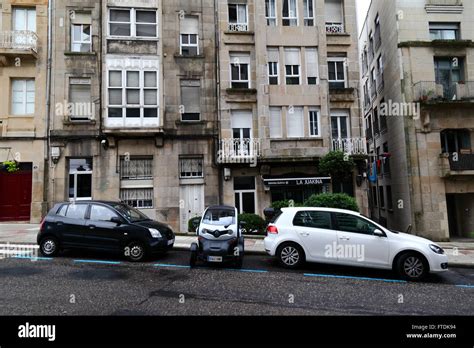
[(15, 195)]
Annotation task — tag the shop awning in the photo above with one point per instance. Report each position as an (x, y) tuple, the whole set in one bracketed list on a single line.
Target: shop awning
[(296, 181)]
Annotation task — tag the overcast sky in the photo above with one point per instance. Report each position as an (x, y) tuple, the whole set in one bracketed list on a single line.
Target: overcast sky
[(362, 8)]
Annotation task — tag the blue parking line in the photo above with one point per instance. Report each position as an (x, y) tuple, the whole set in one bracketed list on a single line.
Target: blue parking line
[(32, 258), (170, 265), (356, 278), (466, 286), (99, 261), (247, 270)]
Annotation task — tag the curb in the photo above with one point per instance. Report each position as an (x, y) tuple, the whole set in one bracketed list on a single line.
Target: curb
[(248, 252)]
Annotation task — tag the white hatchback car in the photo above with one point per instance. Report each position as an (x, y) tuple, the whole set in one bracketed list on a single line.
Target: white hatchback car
[(343, 237)]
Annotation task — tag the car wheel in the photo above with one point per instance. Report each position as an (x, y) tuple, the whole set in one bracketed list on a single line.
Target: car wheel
[(135, 252), (290, 255), (49, 246), (412, 266)]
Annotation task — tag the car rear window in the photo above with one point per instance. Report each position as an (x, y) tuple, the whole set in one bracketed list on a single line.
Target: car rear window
[(76, 211), (62, 210)]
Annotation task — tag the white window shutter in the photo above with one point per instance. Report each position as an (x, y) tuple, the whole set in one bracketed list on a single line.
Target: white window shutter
[(292, 56), (295, 122), (189, 25), (333, 11), (242, 119), (311, 62), (273, 55), (239, 58), (275, 122)]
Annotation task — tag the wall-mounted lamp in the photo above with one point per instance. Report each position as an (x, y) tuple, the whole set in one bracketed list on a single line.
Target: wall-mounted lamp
[(227, 174), (55, 154)]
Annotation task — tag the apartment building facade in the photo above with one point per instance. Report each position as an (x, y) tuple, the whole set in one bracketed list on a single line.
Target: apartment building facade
[(416, 61), (134, 98), (23, 113), (288, 94)]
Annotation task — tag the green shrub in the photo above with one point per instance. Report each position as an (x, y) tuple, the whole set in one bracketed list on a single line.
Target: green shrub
[(337, 164), (190, 223), (333, 200), (284, 204), (254, 223)]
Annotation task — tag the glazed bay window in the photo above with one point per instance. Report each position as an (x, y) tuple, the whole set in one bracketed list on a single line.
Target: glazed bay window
[(134, 23), (337, 72), (270, 13), (23, 96), (312, 70), (238, 18), (240, 70), (136, 181), (81, 106), (273, 66), (190, 100), (191, 167), (133, 94), (80, 179), (308, 6), (81, 35), (295, 122), (290, 13), (189, 38), (314, 122), (292, 66), (444, 31)]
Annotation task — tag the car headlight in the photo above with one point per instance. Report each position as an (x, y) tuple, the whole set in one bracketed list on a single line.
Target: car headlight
[(154, 233), (436, 249)]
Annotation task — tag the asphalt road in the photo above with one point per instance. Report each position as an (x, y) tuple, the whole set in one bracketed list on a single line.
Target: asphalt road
[(86, 283)]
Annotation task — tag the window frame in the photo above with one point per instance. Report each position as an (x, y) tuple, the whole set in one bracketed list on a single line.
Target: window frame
[(79, 118), (271, 19), (238, 24), (81, 42), (307, 9), (290, 18), (335, 60), (188, 45), (240, 81), (133, 23), (24, 92), (200, 162), (312, 110), (76, 173)]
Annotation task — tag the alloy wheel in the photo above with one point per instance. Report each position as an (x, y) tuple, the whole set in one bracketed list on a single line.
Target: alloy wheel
[(290, 255)]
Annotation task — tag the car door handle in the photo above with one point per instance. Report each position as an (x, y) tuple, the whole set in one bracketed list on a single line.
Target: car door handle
[(344, 238), (304, 234), (59, 223), (92, 227)]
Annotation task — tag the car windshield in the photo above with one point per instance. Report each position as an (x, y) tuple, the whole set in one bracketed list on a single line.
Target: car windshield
[(219, 217), (132, 214)]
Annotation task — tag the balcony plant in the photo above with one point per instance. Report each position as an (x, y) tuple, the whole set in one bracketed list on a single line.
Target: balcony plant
[(337, 164), (11, 166), (332, 200)]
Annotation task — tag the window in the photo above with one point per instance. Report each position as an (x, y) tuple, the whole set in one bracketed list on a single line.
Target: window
[(312, 66), (244, 191), (386, 160), (81, 107), (292, 66), (455, 141), (190, 100), (23, 97), (290, 13), (444, 31), (76, 211), (275, 122), (270, 12), (308, 6), (382, 197), (340, 124), (238, 17), (241, 123), (136, 181), (314, 126), (133, 94), (240, 70), (189, 38), (354, 224), (81, 35), (313, 219), (389, 198), (273, 66), (101, 213), (80, 179), (295, 122), (376, 122), (334, 16), (24, 19), (337, 73), (448, 72), (191, 168), (133, 23)]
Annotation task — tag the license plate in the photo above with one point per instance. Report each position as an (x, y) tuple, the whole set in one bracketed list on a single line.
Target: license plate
[(171, 241), (214, 258)]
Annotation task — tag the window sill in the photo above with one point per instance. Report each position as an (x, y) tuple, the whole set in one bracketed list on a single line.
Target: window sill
[(338, 35), (198, 56), (71, 53), (228, 32), (129, 38), (69, 122), (296, 139), (190, 123), (241, 91)]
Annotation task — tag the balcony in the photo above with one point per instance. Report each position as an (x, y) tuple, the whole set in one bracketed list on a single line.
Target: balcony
[(444, 6), (380, 83), (18, 43), (452, 166), (432, 92), (352, 146), (335, 28), (239, 151)]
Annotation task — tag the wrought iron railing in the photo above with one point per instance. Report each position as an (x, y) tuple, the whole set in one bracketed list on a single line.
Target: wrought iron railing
[(335, 28), (352, 146), (19, 39), (240, 150)]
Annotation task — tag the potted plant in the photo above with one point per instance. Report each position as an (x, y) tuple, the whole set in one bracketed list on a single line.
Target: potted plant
[(11, 166)]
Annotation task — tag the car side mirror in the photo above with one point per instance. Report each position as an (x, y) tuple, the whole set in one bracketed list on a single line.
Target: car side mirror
[(379, 233), (116, 220)]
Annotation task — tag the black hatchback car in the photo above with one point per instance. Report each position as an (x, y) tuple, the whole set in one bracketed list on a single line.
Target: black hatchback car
[(108, 226)]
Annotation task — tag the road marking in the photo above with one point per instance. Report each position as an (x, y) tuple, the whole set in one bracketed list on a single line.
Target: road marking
[(466, 286), (33, 258), (247, 270), (170, 265), (356, 278), (99, 261)]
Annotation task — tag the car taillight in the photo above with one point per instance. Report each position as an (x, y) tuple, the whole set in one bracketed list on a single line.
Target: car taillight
[(272, 230)]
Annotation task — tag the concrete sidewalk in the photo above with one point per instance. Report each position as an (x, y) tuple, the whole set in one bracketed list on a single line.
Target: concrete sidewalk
[(460, 254)]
